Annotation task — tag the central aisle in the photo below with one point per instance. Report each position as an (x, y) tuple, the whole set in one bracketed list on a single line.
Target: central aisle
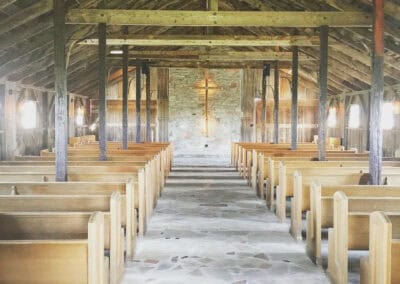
[(209, 228)]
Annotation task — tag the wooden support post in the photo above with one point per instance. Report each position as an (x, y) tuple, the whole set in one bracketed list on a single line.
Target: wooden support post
[(125, 90), (266, 73), (2, 122), (295, 81), (276, 102), (138, 99), (148, 104), (45, 120), (346, 122), (71, 115), (376, 96), (102, 29), (163, 103), (323, 92), (61, 96)]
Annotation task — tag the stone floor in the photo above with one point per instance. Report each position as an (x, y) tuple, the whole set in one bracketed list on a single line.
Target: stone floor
[(209, 228)]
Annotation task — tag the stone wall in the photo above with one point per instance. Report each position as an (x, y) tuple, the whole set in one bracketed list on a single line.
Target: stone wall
[(187, 112)]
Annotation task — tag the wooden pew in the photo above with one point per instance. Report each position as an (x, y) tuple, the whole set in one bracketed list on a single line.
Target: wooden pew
[(301, 191), (56, 261), (141, 194), (320, 215), (382, 265), (351, 229), (85, 188), (110, 205), (291, 181)]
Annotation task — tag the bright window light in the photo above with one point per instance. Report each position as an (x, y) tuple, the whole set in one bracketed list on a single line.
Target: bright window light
[(387, 116), (354, 116), (28, 115), (332, 117), (79, 117)]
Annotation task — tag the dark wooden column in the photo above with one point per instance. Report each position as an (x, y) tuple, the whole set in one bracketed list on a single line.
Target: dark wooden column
[(276, 102), (61, 100), (163, 104), (148, 104), (346, 122), (3, 150), (102, 29), (265, 75), (323, 92), (125, 82), (295, 82), (138, 99), (45, 120), (376, 96)]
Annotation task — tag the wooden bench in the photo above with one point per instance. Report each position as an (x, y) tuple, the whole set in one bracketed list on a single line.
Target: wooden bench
[(142, 194), (110, 205), (56, 261), (302, 182), (320, 215), (384, 250), (351, 229), (85, 188)]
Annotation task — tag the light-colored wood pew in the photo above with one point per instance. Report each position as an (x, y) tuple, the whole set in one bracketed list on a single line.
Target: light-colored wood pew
[(85, 188), (293, 179), (351, 229), (320, 215), (56, 261), (382, 265), (141, 194), (110, 205), (263, 167), (302, 182)]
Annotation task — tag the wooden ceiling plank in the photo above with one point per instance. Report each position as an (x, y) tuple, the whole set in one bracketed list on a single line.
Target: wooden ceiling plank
[(25, 15), (218, 18)]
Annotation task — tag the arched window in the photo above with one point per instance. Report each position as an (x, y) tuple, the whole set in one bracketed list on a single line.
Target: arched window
[(80, 116), (332, 117), (387, 116), (354, 116), (28, 114)]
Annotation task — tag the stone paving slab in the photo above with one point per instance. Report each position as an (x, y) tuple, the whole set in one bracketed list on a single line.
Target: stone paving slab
[(217, 232)]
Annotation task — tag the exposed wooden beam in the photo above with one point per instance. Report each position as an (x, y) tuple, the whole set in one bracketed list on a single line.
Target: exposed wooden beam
[(102, 32), (61, 96), (208, 40), (25, 15), (376, 96), (323, 92), (295, 79), (218, 18), (276, 102), (180, 55), (138, 100), (5, 3), (148, 103), (125, 90), (265, 75)]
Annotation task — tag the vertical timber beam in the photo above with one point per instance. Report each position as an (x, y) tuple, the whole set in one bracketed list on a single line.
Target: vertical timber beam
[(138, 99), (125, 91), (45, 120), (323, 92), (295, 85), (266, 73), (376, 96), (148, 104), (61, 96), (163, 103), (2, 122), (276, 102), (102, 30), (346, 122)]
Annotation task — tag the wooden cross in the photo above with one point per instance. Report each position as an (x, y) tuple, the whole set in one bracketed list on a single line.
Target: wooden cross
[(206, 88)]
